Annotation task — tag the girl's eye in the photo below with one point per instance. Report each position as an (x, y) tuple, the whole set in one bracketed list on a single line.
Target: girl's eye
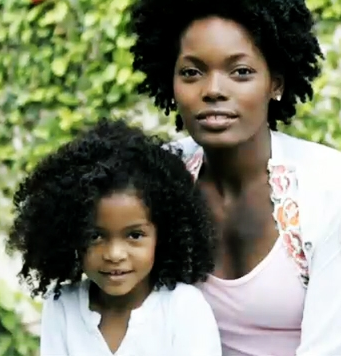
[(136, 235), (189, 72), (96, 236)]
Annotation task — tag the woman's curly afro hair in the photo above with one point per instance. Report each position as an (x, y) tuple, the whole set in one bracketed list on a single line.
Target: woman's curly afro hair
[(55, 207), (282, 29)]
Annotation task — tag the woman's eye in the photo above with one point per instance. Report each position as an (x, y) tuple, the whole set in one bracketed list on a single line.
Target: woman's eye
[(243, 72), (189, 72)]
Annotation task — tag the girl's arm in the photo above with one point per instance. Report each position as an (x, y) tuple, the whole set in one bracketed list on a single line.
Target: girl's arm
[(196, 330), (53, 341)]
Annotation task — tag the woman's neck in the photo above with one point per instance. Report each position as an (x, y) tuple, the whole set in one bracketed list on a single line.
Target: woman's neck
[(235, 168)]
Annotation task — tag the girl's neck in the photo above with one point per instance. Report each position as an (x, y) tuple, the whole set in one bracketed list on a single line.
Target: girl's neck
[(99, 301), (235, 168)]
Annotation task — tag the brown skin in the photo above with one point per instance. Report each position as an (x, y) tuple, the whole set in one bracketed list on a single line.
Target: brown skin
[(126, 241), (219, 67)]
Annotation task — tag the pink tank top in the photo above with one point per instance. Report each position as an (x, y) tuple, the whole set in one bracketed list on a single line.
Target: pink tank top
[(260, 313)]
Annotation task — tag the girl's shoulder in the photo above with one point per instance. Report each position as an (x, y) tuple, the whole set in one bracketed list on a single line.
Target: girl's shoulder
[(70, 296), (191, 323), (187, 145), (184, 296), (186, 291)]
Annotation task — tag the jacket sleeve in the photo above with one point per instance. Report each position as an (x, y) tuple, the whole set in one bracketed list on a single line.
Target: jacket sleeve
[(321, 323)]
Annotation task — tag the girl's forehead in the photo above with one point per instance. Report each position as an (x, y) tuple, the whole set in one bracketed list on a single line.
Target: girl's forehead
[(121, 210), (117, 203)]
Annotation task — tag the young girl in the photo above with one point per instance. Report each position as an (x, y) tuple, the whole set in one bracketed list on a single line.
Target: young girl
[(117, 208)]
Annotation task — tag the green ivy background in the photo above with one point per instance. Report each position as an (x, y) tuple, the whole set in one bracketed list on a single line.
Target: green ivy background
[(64, 64)]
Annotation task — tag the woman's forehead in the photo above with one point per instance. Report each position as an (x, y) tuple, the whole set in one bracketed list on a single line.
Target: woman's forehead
[(208, 36)]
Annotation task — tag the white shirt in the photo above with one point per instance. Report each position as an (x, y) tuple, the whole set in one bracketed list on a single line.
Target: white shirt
[(318, 171), (169, 323)]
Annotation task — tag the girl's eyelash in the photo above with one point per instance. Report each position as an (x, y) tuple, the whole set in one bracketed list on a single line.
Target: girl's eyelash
[(137, 233), (97, 234)]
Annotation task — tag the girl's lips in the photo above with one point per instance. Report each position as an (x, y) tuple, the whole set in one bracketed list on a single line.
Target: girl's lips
[(116, 276), (116, 272)]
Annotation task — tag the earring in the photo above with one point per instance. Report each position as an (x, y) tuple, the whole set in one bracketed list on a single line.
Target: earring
[(278, 97)]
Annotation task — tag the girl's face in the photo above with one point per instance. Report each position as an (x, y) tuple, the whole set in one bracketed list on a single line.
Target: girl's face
[(222, 84), (121, 256)]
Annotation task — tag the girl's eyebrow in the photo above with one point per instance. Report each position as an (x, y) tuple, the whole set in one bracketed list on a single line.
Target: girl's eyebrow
[(132, 226), (137, 225), (100, 229)]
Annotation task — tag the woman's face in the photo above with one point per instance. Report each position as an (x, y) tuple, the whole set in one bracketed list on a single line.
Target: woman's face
[(222, 84)]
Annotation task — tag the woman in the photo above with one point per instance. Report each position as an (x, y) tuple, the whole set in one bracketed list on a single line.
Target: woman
[(232, 70)]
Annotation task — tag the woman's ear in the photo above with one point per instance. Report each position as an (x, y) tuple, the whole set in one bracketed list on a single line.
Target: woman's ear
[(277, 87)]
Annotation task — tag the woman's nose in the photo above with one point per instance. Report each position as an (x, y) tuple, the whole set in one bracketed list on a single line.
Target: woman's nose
[(213, 88)]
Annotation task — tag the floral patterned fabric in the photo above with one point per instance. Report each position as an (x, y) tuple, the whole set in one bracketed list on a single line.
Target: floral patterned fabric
[(284, 185), (283, 182)]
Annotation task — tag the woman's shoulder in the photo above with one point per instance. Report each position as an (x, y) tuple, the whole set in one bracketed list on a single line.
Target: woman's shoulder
[(296, 149), (301, 148), (319, 161)]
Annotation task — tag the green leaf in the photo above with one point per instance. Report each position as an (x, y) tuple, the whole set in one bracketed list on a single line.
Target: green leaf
[(121, 4), (110, 72), (55, 15), (91, 18), (7, 300), (67, 99), (123, 75), (9, 321), (5, 343), (59, 66)]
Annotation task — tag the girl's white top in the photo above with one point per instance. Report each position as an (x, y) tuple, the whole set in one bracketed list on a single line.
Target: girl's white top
[(169, 323)]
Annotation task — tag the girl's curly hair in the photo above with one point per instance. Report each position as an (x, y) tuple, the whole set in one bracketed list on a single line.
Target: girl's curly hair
[(55, 207), (282, 29)]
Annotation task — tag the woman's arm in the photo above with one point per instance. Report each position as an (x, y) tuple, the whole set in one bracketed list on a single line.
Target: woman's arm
[(322, 312), (196, 330)]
